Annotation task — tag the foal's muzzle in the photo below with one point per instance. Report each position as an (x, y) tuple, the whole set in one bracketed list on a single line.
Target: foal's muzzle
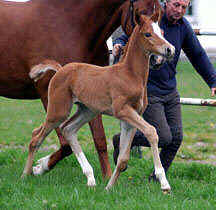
[(156, 61), (169, 52)]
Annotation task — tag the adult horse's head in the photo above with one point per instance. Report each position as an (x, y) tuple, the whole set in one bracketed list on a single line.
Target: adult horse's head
[(151, 36), (145, 7)]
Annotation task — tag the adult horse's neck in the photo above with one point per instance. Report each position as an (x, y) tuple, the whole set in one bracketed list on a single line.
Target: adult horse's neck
[(90, 18), (136, 58), (92, 15)]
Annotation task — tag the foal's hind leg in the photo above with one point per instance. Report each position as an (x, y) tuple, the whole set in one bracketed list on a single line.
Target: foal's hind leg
[(37, 138), (70, 128), (55, 116), (48, 162)]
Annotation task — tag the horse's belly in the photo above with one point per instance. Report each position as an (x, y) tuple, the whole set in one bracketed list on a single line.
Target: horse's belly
[(17, 90)]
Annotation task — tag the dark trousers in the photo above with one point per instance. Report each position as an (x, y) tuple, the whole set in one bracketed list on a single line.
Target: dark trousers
[(164, 113)]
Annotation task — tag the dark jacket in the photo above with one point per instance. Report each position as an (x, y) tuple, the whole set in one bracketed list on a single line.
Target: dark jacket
[(182, 36)]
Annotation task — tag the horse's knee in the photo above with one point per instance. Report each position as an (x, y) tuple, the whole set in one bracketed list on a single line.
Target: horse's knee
[(152, 135)]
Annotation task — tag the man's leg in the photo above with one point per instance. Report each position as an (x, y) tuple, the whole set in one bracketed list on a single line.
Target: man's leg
[(173, 116)]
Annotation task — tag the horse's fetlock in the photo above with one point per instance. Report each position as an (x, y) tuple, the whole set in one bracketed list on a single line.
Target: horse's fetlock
[(123, 164), (88, 171), (34, 146), (159, 173)]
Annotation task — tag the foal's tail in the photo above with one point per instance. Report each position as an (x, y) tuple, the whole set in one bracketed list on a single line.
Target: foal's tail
[(38, 71)]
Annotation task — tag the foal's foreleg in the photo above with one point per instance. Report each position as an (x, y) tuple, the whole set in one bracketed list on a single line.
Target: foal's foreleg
[(70, 128), (127, 134), (129, 115), (150, 132)]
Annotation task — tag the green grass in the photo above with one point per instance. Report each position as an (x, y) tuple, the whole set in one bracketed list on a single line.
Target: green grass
[(199, 123), (193, 184)]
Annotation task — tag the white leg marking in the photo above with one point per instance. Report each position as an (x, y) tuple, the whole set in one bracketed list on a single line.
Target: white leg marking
[(82, 116), (160, 174), (86, 168), (42, 166)]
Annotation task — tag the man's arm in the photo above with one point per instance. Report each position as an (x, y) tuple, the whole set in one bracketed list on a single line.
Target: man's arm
[(123, 39), (198, 58), (118, 43)]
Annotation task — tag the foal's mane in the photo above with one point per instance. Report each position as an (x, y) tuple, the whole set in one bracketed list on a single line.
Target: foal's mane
[(126, 48)]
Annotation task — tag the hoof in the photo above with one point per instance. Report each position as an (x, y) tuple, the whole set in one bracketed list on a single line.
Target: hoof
[(42, 166), (38, 170), (24, 175), (153, 178), (166, 191), (91, 183), (107, 188)]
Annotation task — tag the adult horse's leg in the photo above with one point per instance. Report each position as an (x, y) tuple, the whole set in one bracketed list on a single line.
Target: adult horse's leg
[(98, 134), (102, 59)]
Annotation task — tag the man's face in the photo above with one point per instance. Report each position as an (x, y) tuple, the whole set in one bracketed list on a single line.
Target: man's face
[(175, 9)]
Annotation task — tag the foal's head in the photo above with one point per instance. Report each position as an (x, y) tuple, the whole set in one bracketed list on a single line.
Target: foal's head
[(151, 37)]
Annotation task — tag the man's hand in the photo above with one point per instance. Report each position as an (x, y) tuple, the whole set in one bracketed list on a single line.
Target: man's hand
[(116, 49), (213, 91)]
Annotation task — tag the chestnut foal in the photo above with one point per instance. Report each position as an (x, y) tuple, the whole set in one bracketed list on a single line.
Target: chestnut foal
[(118, 90)]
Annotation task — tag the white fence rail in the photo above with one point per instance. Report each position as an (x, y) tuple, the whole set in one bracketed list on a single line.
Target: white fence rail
[(208, 32), (198, 101)]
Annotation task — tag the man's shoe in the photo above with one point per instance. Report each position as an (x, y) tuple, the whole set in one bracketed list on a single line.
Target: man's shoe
[(153, 178)]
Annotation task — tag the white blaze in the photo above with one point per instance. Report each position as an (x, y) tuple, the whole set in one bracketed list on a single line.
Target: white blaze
[(157, 30)]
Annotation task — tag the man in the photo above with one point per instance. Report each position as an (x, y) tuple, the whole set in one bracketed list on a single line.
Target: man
[(163, 110)]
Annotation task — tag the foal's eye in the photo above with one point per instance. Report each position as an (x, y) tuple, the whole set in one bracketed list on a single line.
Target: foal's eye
[(147, 34)]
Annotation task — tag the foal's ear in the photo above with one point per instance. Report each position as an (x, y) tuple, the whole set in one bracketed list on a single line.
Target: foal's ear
[(156, 16)]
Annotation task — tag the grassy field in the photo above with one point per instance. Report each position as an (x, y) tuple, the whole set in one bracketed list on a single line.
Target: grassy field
[(192, 175)]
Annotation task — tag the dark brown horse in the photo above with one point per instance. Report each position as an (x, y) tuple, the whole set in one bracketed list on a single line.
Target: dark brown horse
[(65, 31)]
